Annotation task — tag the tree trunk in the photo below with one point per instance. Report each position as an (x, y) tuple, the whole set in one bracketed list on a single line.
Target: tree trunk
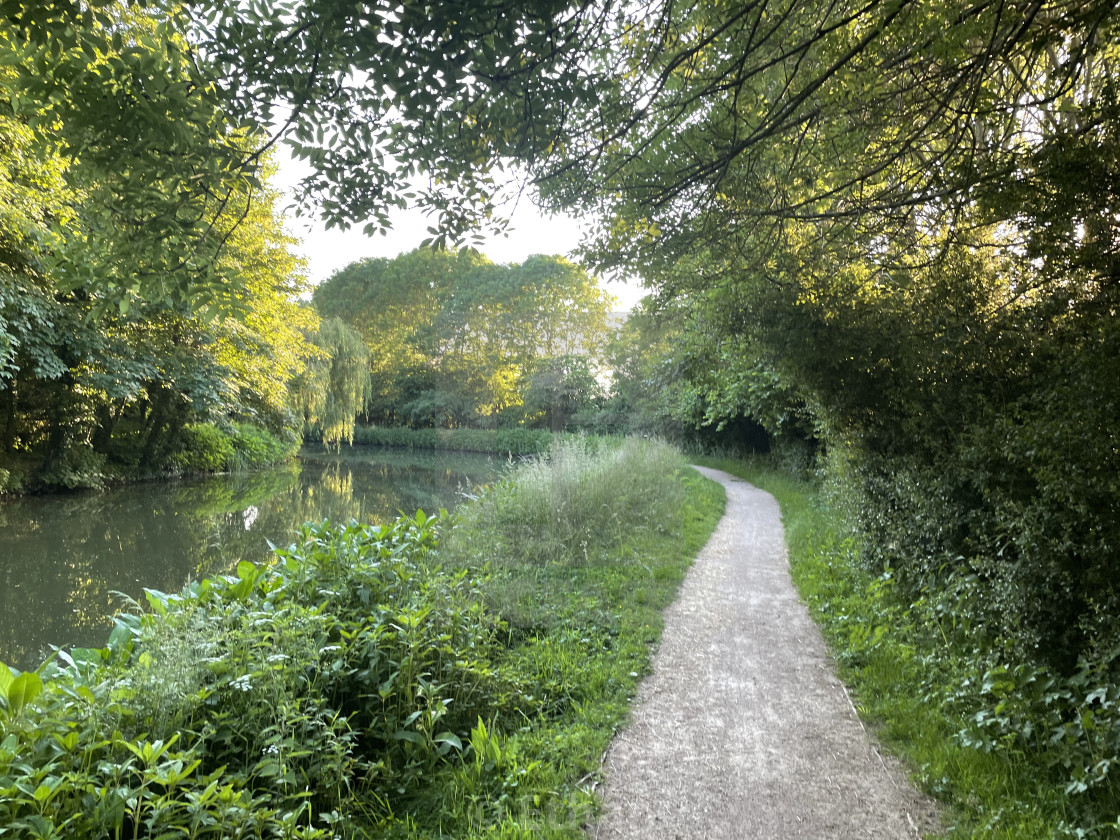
[(58, 438), (8, 400), (156, 421), (168, 415)]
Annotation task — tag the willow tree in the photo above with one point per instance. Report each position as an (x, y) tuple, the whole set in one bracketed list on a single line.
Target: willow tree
[(394, 303), (335, 386)]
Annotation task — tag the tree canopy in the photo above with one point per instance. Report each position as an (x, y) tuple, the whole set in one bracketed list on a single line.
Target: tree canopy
[(454, 338), (907, 216), (142, 274), (885, 232)]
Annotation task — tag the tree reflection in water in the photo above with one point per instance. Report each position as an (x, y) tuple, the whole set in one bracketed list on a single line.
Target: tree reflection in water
[(63, 557)]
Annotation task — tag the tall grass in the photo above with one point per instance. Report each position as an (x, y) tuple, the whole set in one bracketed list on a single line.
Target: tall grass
[(583, 549), (579, 501), (508, 442)]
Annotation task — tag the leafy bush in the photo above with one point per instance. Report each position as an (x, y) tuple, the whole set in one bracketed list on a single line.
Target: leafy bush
[(522, 441), (12, 480), (79, 467), (396, 436), (254, 447), (261, 703), (205, 448)]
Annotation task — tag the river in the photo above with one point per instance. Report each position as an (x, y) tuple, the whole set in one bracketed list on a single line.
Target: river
[(63, 558)]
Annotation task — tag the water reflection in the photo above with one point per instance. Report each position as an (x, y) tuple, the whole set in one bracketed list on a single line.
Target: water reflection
[(63, 557)]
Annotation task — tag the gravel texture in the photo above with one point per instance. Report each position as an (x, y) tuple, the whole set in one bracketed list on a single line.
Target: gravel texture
[(743, 730)]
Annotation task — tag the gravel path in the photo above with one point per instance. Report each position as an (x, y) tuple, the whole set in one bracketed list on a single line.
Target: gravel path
[(743, 730)]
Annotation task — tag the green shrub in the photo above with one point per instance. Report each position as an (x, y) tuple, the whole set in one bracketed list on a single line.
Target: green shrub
[(523, 441), (396, 436), (254, 447), (241, 446), (12, 480), (204, 448), (471, 440), (79, 467), (263, 703)]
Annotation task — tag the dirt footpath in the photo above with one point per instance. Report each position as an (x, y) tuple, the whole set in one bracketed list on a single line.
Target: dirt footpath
[(742, 730)]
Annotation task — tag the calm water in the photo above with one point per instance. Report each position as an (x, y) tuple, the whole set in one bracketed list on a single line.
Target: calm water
[(63, 557)]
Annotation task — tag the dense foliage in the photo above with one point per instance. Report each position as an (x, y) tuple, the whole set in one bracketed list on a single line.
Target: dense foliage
[(455, 340), (899, 219), (940, 291), (676, 375), (1013, 749), (88, 392), (223, 728), (887, 230), (903, 220), (372, 680), (144, 272)]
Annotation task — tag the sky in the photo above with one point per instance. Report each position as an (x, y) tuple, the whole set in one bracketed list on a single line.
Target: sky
[(530, 233)]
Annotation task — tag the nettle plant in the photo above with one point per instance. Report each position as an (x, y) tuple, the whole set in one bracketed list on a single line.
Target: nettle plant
[(269, 703)]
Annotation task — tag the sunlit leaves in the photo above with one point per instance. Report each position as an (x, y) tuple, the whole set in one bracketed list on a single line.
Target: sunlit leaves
[(335, 384), (157, 172), (451, 335), (372, 95)]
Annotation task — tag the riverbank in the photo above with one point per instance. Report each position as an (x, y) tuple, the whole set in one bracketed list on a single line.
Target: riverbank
[(466, 678), (504, 442), (198, 449), (207, 449), (66, 555)]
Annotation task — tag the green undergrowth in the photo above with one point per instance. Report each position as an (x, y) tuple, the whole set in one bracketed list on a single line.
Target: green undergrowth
[(504, 442), (447, 676), (233, 448), (1014, 752)]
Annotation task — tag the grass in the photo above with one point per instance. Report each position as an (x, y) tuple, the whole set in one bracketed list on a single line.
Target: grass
[(506, 442), (914, 677), (584, 550), (432, 677)]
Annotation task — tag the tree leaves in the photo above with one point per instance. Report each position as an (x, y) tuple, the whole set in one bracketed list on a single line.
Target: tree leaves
[(452, 336), (335, 384)]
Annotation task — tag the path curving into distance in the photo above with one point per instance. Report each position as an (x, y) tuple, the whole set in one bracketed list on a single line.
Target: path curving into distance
[(742, 730)]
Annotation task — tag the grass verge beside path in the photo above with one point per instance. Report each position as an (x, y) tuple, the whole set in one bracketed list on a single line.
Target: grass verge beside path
[(584, 551), (913, 676)]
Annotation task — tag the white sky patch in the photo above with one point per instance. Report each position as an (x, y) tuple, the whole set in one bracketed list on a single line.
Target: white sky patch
[(530, 232)]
